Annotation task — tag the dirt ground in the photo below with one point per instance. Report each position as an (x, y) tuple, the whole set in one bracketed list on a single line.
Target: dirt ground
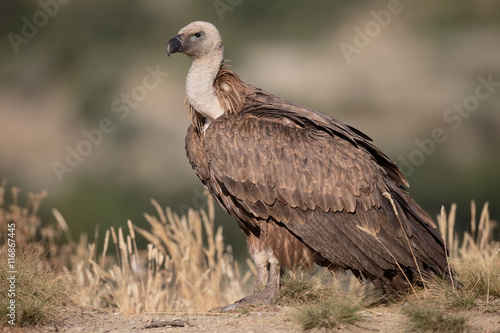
[(265, 319)]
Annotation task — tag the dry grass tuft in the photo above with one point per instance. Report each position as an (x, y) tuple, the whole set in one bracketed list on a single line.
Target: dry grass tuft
[(298, 288), (442, 294), (476, 263), (322, 301), (40, 293), (28, 225), (178, 272), (477, 260), (329, 313), (423, 318), (38, 290)]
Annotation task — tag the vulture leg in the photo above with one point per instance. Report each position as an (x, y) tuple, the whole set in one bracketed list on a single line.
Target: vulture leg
[(263, 266), (268, 277), (265, 296)]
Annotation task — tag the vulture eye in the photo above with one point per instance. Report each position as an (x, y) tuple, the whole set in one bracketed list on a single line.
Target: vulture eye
[(198, 35)]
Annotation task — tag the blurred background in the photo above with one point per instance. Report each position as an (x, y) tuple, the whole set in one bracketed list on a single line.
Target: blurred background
[(91, 108)]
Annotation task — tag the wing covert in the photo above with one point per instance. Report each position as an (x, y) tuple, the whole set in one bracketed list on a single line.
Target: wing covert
[(267, 160)]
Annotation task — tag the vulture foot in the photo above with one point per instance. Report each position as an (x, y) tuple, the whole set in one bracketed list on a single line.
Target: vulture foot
[(265, 296)]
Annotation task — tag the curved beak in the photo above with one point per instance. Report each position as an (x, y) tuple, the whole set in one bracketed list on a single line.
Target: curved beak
[(174, 45)]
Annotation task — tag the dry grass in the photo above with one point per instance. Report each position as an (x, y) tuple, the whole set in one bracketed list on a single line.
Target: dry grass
[(298, 288), (321, 301), (478, 261), (429, 319), (39, 292), (325, 300), (28, 225), (441, 306), (329, 313), (186, 267), (302, 287)]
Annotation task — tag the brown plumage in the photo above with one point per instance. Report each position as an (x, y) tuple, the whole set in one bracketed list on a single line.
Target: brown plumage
[(304, 187)]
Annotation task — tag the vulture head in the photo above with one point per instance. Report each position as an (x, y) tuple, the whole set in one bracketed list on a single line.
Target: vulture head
[(196, 40)]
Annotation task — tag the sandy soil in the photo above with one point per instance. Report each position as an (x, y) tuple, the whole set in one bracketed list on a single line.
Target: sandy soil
[(384, 319)]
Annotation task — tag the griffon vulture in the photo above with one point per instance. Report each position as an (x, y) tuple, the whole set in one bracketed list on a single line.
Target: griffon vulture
[(304, 187)]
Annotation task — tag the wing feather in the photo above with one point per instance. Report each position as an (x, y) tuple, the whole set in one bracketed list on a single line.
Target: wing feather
[(320, 187)]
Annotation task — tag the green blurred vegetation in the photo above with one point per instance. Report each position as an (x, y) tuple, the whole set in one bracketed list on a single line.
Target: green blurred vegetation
[(89, 49)]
